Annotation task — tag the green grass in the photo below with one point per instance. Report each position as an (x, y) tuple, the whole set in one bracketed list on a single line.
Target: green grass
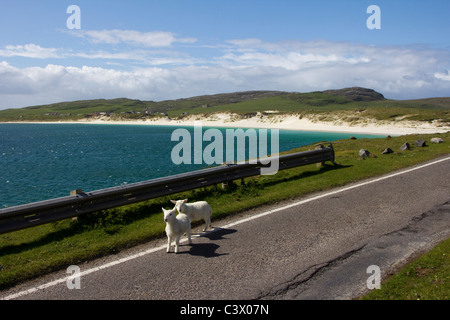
[(425, 278), (327, 107), (280, 103), (242, 103), (74, 110), (32, 252), (380, 110)]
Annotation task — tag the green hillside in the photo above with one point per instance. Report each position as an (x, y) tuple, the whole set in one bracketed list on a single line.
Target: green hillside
[(360, 100)]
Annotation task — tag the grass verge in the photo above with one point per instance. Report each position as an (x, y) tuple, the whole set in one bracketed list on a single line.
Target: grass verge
[(29, 253)]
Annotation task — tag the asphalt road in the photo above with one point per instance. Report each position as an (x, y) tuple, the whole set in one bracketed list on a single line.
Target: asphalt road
[(317, 247)]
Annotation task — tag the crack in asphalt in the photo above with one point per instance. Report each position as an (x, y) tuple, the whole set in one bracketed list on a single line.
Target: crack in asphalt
[(307, 275), (412, 226)]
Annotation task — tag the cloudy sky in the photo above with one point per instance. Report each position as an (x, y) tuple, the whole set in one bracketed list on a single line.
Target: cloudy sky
[(168, 49)]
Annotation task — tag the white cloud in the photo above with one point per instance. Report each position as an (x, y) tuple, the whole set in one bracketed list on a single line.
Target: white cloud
[(443, 75), (30, 51), (147, 57), (54, 83), (397, 72), (132, 37)]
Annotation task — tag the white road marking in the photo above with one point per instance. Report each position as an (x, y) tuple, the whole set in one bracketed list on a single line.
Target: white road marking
[(146, 252)]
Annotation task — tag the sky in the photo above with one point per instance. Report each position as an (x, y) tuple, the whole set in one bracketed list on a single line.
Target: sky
[(169, 49)]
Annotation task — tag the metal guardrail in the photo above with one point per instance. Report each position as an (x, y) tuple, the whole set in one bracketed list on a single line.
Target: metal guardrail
[(37, 213)]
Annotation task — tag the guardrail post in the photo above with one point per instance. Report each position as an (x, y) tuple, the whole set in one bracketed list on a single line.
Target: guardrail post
[(320, 146), (75, 192), (332, 149), (228, 184)]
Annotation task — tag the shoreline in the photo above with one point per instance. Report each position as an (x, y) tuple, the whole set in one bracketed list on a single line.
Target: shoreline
[(282, 122)]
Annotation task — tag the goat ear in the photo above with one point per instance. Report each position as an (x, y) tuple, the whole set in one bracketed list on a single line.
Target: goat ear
[(173, 201), (185, 200)]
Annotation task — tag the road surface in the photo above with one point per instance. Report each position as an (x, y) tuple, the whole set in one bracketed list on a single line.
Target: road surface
[(316, 247)]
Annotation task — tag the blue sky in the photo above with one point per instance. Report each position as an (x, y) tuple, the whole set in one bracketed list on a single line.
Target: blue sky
[(157, 50)]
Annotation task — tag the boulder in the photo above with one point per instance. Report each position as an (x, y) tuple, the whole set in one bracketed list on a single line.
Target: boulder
[(363, 153), (420, 143), (387, 151), (437, 140), (405, 146)]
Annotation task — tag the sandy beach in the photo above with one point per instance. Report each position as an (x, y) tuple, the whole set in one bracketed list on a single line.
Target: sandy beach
[(287, 122)]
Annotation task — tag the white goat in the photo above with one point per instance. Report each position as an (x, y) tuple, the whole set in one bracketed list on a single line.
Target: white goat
[(195, 211), (176, 226)]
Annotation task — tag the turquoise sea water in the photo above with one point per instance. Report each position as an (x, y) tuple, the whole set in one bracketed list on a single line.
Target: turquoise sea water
[(44, 161)]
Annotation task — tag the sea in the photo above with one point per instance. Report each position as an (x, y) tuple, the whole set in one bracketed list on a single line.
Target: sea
[(40, 161)]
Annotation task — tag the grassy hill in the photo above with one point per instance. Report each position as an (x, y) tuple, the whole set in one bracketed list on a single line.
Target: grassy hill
[(372, 103)]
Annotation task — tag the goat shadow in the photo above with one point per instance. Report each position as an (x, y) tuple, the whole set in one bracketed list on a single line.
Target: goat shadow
[(208, 250)]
